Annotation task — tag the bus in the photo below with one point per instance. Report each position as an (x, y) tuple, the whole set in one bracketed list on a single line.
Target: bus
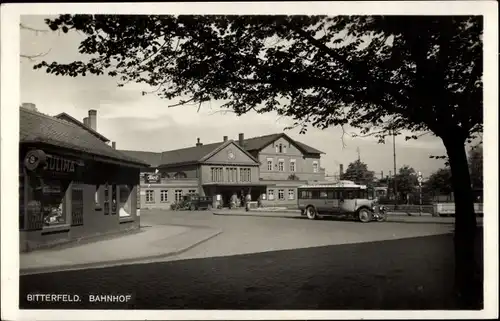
[(344, 198)]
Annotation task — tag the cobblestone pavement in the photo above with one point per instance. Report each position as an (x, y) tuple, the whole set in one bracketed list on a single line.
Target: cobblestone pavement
[(274, 263), (243, 234)]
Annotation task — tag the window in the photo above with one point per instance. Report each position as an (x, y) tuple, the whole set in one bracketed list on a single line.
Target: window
[(178, 195), (192, 191), (113, 199), (280, 148), (125, 200), (150, 196), (164, 195), (291, 194), (284, 149), (281, 165), (305, 194), (217, 174), (277, 149), (323, 194), (21, 197), (281, 194), (269, 164), (245, 175), (315, 167), (332, 195), (292, 165), (180, 175), (76, 205), (270, 194), (106, 199), (52, 197), (97, 196), (232, 174)]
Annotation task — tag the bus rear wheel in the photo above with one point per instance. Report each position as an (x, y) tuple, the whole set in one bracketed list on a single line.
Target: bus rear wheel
[(364, 215), (311, 213)]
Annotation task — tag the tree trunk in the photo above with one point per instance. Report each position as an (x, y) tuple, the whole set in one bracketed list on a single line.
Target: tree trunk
[(468, 287)]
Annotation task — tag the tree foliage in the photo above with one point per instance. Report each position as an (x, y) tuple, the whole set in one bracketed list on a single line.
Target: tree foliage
[(300, 66), (358, 172), (439, 182), (378, 74), (406, 179)]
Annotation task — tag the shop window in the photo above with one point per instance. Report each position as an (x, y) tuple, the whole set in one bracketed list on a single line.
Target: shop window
[(291, 194), (164, 196), (150, 196), (114, 199), (106, 199), (270, 194), (97, 197), (76, 205), (52, 199), (125, 200), (21, 198), (178, 195), (281, 194)]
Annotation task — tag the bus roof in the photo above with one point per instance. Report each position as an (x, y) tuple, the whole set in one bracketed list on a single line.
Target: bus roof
[(335, 185)]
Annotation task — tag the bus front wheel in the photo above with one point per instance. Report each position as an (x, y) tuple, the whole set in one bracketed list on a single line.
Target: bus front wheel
[(311, 213), (364, 215)]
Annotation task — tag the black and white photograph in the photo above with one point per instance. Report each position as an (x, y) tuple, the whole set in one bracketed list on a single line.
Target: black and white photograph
[(249, 160)]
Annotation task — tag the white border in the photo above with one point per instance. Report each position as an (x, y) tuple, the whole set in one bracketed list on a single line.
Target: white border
[(10, 15)]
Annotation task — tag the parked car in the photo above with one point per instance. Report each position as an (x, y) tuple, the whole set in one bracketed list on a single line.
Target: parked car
[(195, 202)]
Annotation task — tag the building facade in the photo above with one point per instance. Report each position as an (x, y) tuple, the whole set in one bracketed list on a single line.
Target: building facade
[(269, 167), (72, 184)]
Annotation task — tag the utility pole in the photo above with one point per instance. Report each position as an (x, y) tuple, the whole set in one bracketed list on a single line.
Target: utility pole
[(395, 178), (420, 192)]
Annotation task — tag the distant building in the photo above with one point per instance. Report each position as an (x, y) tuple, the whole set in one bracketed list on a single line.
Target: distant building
[(268, 167)]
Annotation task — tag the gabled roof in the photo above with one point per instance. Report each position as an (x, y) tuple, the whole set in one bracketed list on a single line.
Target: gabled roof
[(258, 143), (36, 127), (196, 154), (223, 145), (75, 121), (152, 158)]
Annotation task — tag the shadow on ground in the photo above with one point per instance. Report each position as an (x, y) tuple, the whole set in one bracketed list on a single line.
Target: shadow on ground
[(400, 219), (414, 274)]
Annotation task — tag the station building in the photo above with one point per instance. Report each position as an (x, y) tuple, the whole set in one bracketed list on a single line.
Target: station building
[(72, 183), (269, 167)]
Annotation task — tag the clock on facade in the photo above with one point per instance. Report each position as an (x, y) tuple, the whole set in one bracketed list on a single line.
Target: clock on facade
[(230, 154)]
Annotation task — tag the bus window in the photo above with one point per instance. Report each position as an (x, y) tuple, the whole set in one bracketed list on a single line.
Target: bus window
[(305, 194), (323, 194), (331, 195), (340, 195), (350, 195), (314, 194)]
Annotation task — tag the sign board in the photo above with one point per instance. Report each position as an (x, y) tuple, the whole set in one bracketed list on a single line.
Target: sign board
[(152, 178)]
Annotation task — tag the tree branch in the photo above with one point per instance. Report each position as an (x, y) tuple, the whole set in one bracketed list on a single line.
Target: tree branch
[(33, 57)]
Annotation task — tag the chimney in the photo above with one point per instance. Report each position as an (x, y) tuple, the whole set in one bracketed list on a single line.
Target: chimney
[(113, 144), (381, 174), (198, 142), (341, 170), (93, 119), (224, 138), (86, 121), (241, 138), (29, 106)]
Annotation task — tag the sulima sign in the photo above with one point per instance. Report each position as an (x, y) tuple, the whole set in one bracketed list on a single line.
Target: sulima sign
[(60, 164), (38, 159)]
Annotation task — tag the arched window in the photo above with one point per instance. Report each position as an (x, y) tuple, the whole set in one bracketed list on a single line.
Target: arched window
[(180, 175)]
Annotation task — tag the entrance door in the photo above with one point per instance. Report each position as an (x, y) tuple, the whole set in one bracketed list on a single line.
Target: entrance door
[(332, 202), (347, 202)]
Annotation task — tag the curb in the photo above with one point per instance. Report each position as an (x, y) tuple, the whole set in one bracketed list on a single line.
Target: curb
[(105, 264)]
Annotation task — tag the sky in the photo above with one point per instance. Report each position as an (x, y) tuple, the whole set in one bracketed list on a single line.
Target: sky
[(137, 122)]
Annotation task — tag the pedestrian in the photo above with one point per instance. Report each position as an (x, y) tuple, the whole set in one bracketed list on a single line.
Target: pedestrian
[(247, 202)]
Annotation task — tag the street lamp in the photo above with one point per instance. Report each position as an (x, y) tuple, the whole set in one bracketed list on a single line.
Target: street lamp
[(420, 192)]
